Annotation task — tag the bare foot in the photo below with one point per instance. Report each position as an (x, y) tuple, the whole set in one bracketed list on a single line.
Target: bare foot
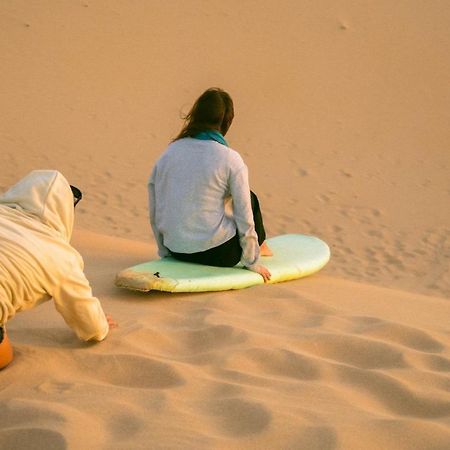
[(264, 250)]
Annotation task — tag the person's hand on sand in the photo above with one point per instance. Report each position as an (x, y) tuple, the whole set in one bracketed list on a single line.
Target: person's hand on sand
[(111, 322), (263, 271)]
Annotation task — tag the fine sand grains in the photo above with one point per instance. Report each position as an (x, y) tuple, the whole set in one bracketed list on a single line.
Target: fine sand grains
[(342, 113), (315, 363)]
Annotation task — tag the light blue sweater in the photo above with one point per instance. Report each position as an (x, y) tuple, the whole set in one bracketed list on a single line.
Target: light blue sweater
[(190, 191)]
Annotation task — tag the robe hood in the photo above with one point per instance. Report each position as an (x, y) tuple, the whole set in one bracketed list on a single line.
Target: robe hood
[(46, 195)]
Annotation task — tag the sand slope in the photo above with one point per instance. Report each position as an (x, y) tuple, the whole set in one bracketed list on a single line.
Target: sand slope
[(315, 363), (342, 112)]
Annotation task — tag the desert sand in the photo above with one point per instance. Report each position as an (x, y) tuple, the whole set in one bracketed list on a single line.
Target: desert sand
[(342, 113)]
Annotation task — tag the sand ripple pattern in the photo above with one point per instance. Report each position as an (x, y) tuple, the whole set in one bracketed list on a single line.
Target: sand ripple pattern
[(274, 369)]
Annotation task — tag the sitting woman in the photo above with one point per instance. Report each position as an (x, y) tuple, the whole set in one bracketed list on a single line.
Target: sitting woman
[(201, 207)]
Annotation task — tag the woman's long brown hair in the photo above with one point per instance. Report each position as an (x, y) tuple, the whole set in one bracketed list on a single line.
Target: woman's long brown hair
[(213, 110)]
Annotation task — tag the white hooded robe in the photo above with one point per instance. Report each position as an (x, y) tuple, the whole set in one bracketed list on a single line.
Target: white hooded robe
[(37, 261)]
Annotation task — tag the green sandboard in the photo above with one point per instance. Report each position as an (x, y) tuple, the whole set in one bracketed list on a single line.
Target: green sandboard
[(294, 256)]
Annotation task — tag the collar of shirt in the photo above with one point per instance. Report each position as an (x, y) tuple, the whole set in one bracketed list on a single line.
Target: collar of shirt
[(211, 135)]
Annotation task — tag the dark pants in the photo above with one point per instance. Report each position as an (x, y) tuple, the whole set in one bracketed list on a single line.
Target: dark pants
[(229, 253)]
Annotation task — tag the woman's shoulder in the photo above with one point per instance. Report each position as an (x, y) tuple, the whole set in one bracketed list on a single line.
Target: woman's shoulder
[(235, 157), (182, 148), (173, 148), (225, 155)]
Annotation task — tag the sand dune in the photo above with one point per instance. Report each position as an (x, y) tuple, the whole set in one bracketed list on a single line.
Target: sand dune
[(341, 115), (315, 363), (342, 112)]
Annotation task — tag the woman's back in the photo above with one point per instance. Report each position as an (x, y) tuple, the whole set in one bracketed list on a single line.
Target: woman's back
[(189, 186), (191, 181)]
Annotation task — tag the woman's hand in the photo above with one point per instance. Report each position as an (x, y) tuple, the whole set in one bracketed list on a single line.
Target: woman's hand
[(111, 322), (263, 271)]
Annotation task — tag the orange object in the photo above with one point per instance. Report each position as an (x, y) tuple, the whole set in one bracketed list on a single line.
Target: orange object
[(6, 351)]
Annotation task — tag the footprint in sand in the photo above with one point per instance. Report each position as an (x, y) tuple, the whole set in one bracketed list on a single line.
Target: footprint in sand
[(17, 412), (132, 371), (212, 337), (125, 425), (315, 437), (435, 363), (279, 362), (392, 394), (405, 335), (400, 434), (323, 198), (346, 173), (52, 387), (236, 417), (24, 425), (302, 172), (353, 350), (32, 439), (224, 390)]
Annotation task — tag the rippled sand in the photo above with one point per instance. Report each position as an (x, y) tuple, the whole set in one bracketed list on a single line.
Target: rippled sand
[(342, 113)]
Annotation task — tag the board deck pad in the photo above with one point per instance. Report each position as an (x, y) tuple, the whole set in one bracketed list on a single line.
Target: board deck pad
[(294, 256)]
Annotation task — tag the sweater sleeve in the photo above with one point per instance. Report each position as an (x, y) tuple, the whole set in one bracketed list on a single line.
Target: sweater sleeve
[(80, 309), (243, 215), (162, 250)]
